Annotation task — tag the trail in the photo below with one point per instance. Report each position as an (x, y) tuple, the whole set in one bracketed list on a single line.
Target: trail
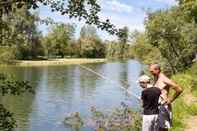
[(191, 122)]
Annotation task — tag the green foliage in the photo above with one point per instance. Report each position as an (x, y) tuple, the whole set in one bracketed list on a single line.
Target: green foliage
[(122, 118), (90, 45), (21, 34), (181, 109), (144, 51), (60, 42), (125, 34), (6, 54), (58, 39), (81, 9), (193, 81), (119, 49), (12, 87), (189, 8), (169, 39), (168, 31), (19, 31), (7, 122), (123, 39)]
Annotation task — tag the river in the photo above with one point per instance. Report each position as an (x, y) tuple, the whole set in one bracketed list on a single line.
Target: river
[(61, 90)]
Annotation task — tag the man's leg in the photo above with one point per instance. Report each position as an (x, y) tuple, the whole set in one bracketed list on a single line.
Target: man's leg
[(164, 118)]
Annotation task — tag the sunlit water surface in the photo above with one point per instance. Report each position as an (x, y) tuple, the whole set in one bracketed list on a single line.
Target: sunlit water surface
[(61, 90)]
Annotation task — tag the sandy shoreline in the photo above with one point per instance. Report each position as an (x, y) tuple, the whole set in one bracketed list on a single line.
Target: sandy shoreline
[(55, 62)]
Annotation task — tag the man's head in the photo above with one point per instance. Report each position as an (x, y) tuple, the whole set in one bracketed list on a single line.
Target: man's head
[(154, 69), (144, 80)]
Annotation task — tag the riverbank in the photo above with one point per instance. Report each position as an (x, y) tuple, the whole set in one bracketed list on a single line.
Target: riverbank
[(55, 62), (185, 107)]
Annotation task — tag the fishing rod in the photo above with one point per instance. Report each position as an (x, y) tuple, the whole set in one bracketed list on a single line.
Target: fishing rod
[(109, 80)]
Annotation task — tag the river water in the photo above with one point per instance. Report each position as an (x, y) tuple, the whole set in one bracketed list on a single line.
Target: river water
[(61, 90)]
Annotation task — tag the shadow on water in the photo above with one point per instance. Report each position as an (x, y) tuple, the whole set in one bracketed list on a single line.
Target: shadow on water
[(61, 90)]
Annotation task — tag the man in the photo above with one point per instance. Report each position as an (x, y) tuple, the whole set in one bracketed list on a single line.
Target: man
[(162, 82), (150, 96)]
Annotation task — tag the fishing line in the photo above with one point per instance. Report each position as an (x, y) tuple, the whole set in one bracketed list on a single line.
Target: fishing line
[(100, 75), (109, 80)]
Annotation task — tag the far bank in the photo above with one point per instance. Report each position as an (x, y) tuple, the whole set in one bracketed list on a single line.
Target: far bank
[(55, 62)]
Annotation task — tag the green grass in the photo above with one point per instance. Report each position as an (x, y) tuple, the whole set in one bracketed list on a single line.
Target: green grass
[(193, 72), (181, 110)]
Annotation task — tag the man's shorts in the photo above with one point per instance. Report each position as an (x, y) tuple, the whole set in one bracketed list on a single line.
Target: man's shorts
[(165, 116), (149, 123)]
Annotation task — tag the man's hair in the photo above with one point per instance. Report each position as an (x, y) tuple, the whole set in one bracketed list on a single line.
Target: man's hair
[(157, 66)]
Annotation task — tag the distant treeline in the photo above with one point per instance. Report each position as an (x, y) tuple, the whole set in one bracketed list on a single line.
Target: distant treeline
[(20, 39)]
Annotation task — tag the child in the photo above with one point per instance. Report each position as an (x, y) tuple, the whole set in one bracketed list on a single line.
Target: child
[(150, 97)]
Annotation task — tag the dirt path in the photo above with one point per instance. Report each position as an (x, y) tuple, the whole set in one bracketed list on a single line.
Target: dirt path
[(190, 99), (191, 124)]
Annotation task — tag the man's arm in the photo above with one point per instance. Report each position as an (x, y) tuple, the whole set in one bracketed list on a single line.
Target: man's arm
[(178, 89)]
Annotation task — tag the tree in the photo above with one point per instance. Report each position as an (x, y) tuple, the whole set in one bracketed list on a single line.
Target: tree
[(81, 9), (119, 49), (113, 50), (166, 30), (22, 34), (58, 39), (6, 54), (90, 44), (142, 50), (123, 42), (189, 8)]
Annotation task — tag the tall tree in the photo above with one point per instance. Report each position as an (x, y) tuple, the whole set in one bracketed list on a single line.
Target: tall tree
[(168, 31), (81, 9), (58, 39), (21, 32), (90, 44), (123, 42)]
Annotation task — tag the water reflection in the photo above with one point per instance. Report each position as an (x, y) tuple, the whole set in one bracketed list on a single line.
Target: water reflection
[(20, 105), (64, 89)]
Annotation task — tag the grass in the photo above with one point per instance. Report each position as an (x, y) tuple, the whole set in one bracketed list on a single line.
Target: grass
[(184, 107)]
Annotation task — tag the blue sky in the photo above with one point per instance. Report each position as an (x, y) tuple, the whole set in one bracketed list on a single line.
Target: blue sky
[(122, 13)]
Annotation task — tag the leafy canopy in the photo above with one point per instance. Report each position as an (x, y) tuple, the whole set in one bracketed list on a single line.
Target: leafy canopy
[(80, 9)]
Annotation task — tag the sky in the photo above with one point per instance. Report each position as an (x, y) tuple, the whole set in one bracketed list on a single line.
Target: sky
[(131, 13)]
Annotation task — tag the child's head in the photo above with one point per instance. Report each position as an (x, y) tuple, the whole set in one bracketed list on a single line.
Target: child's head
[(144, 80)]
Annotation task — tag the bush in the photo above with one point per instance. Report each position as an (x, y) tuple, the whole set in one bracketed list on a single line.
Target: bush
[(7, 122), (122, 118), (10, 86)]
